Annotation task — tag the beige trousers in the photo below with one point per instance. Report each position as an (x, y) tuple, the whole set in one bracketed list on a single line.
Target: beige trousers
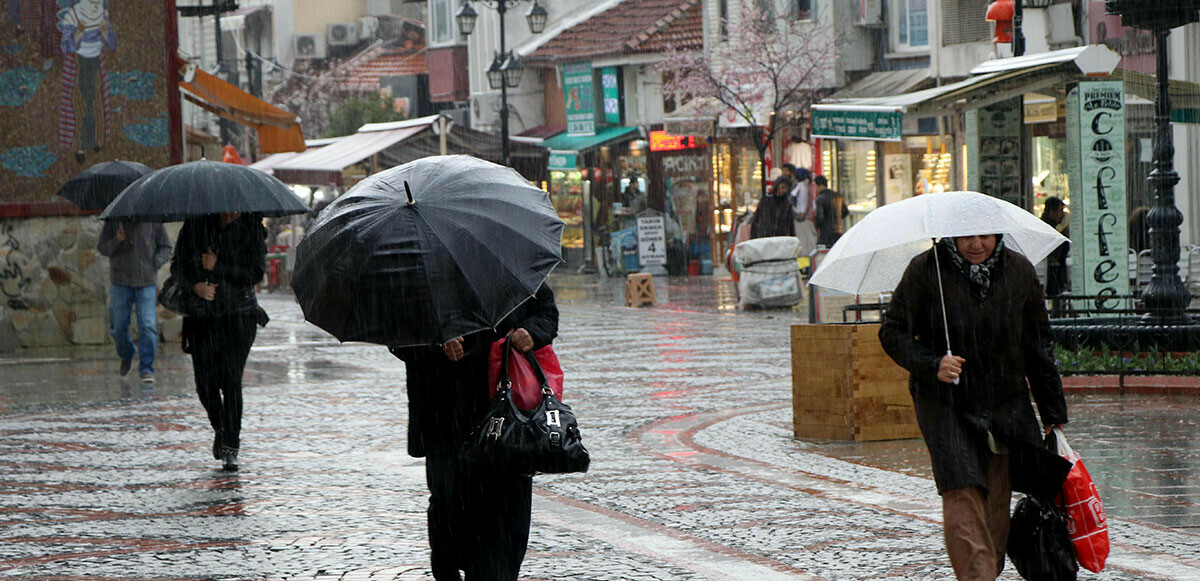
[(975, 523)]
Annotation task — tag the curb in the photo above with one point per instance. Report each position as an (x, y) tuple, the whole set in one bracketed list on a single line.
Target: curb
[(1133, 384)]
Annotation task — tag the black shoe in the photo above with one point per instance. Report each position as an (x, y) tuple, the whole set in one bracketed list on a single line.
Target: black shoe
[(229, 456), (126, 365), (217, 446)]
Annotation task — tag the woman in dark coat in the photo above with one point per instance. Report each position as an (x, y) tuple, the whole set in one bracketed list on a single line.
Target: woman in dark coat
[(774, 216), (479, 513), (982, 434), (221, 257)]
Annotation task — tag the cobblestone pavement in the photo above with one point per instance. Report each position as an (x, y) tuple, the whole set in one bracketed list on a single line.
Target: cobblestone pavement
[(695, 474)]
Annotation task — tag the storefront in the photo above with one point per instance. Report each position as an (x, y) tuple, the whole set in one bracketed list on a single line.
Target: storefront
[(585, 173), (679, 184)]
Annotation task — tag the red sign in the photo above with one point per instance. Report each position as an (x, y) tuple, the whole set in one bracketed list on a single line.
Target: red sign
[(663, 141)]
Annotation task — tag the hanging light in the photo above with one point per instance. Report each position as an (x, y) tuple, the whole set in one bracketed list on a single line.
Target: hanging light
[(1001, 12), (512, 70), (536, 17), (495, 75), (466, 17)]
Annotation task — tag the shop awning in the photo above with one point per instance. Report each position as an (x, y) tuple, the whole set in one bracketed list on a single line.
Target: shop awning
[(581, 143), (278, 130), (879, 118), (1185, 96), (884, 83), (268, 163), (324, 166)]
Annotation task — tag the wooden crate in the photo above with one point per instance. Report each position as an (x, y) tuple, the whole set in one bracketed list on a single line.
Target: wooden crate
[(845, 387)]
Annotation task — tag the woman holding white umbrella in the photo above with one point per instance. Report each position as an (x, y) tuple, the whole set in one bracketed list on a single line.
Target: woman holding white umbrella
[(973, 407)]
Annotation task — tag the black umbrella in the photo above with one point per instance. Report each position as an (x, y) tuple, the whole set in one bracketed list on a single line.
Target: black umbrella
[(95, 187), (427, 251), (179, 192)]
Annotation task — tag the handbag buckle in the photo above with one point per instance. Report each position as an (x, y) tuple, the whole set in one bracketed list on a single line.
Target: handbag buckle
[(494, 428), (555, 438)]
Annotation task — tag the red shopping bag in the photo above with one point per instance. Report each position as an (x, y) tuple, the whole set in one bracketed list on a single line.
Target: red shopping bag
[(1085, 515), (526, 389)]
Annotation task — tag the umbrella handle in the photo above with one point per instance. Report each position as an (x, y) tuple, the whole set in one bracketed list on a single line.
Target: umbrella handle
[(955, 382)]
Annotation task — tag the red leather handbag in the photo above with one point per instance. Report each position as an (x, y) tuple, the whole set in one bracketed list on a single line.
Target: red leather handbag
[(526, 388)]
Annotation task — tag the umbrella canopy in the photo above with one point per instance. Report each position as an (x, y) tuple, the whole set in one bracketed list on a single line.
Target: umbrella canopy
[(179, 192), (872, 256), (427, 251), (96, 187)]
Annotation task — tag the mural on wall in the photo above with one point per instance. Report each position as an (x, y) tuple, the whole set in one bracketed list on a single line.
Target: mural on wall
[(78, 87)]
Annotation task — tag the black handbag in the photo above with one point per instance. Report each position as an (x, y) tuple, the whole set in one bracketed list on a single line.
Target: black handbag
[(176, 296), (1039, 544), (544, 440)]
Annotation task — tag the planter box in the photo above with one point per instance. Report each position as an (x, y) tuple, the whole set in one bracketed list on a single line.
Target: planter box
[(844, 387)]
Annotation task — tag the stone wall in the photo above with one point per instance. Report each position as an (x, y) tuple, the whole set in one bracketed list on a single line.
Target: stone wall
[(54, 284)]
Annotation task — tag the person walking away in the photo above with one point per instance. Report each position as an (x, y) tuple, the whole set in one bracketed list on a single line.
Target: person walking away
[(221, 257), (803, 205), (774, 214), (982, 434), (479, 511), (1053, 213), (829, 214), (135, 252)]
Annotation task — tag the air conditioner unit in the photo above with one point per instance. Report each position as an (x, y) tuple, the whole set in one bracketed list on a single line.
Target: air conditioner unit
[(368, 27), (310, 46), (341, 34), (870, 14)]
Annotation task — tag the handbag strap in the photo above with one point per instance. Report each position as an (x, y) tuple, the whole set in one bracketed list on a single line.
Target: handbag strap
[(533, 362)]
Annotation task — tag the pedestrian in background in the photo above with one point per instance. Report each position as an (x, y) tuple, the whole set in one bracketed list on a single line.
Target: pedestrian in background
[(221, 257), (479, 511), (803, 203), (829, 213), (1053, 213), (982, 434), (135, 251), (774, 214)]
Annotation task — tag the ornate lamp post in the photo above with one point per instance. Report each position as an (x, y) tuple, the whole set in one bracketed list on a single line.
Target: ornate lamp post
[(506, 69), (1166, 297)]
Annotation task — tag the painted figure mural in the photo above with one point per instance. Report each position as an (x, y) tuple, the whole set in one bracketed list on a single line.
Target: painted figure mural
[(83, 110)]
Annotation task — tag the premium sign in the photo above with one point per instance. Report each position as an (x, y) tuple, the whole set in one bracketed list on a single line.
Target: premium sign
[(1096, 160), (580, 103), (856, 124)]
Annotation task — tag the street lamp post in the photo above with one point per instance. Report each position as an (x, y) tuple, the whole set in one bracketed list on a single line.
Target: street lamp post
[(1166, 298), (506, 68)]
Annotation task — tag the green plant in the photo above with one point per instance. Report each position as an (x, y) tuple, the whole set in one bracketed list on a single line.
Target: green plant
[(347, 117), (1107, 361)]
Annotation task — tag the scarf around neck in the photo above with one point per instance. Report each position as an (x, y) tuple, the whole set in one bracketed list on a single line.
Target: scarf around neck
[(980, 275)]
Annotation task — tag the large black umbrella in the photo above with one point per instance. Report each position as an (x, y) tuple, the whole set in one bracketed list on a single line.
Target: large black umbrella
[(179, 192), (96, 187), (427, 251)]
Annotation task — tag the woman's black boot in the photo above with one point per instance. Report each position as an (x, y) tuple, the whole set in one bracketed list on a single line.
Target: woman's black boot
[(229, 456)]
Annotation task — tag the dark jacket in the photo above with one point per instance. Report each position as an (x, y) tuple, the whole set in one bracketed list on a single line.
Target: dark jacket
[(447, 398), (1005, 339), (241, 250), (774, 217), (828, 216), (135, 261)]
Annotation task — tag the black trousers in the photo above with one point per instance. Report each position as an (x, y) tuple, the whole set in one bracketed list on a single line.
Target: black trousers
[(478, 518), (219, 347)]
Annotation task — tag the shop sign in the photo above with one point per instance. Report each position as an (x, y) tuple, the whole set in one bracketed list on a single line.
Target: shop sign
[(1096, 161), (994, 150), (690, 164), (663, 141), (1041, 112), (563, 161), (577, 90), (843, 124), (652, 240), (612, 96)]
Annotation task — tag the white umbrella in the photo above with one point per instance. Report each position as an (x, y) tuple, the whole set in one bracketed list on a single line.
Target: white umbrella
[(871, 256)]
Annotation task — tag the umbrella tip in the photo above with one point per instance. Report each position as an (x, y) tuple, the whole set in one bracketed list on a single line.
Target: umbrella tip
[(407, 191)]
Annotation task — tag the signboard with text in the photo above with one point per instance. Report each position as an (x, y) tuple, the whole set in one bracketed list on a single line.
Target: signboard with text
[(563, 161), (994, 150), (853, 124), (652, 240), (663, 141), (1096, 164), (612, 95), (580, 103)]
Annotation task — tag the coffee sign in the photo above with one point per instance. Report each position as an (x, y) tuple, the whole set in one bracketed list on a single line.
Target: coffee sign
[(1096, 159)]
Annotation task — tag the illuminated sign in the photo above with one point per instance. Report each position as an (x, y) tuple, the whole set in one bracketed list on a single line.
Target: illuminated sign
[(663, 141)]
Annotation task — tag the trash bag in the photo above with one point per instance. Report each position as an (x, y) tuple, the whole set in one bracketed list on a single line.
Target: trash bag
[(1039, 544)]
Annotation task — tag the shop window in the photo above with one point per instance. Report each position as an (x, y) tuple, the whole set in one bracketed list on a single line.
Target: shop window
[(803, 9), (909, 24), (723, 18)]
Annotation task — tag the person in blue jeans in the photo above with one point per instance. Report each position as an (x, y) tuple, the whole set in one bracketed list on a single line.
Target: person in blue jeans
[(135, 252)]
